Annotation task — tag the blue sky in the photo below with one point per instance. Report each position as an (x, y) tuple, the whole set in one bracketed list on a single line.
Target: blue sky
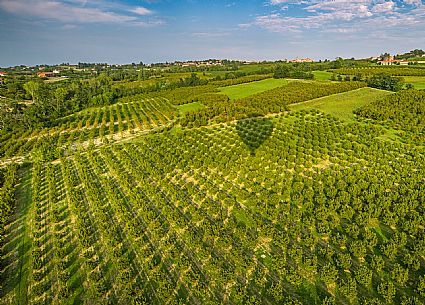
[(56, 31)]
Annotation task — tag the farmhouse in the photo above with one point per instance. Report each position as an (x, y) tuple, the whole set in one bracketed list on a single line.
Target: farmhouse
[(390, 62), (387, 62), (45, 74), (3, 73)]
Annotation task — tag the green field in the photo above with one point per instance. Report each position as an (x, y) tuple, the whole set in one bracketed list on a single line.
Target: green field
[(180, 196), (244, 90), (322, 75), (417, 81), (342, 105), (190, 107)]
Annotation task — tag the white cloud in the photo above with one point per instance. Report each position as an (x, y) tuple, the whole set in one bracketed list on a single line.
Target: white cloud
[(280, 2), (384, 7), (141, 11), (363, 11), (340, 30), (343, 16), (357, 8), (74, 11)]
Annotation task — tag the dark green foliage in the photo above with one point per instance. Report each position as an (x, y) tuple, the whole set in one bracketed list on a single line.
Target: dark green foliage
[(385, 82), (289, 71)]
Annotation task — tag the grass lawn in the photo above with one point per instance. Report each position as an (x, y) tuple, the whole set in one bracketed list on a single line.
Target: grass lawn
[(342, 105), (243, 90), (417, 81), (190, 107), (322, 75)]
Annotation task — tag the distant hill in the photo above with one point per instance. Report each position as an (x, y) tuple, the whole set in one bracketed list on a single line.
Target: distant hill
[(411, 54)]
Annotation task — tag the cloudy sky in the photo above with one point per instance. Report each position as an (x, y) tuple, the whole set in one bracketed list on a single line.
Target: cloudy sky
[(113, 31)]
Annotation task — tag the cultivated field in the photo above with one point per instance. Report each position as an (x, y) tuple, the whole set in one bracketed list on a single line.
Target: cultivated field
[(273, 197), (244, 90)]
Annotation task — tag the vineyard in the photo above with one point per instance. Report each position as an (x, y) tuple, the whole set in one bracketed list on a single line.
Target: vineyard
[(298, 209), (133, 115)]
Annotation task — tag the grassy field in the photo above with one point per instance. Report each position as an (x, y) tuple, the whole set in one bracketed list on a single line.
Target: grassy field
[(322, 75), (243, 90), (417, 81), (190, 107), (342, 105)]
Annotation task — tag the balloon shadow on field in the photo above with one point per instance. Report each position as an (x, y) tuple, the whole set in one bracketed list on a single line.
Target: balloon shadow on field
[(254, 132)]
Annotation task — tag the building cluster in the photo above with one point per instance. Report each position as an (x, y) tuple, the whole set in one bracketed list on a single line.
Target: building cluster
[(299, 60), (196, 63), (54, 73), (389, 61)]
